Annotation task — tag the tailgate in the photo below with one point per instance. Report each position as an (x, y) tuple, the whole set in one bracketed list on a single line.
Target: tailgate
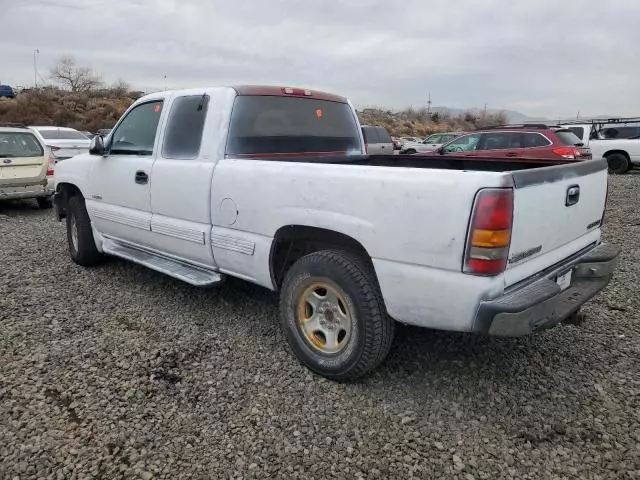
[(22, 170), (557, 212)]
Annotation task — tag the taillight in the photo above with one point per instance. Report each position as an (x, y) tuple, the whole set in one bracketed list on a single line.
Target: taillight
[(490, 233), (51, 166), (567, 152)]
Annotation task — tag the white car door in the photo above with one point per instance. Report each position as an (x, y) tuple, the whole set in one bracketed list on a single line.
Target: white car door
[(118, 197), (181, 187)]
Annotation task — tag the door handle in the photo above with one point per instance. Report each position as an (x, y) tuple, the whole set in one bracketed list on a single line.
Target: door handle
[(141, 177), (512, 154)]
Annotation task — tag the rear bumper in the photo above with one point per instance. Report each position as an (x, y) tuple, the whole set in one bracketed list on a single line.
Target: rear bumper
[(14, 192), (542, 304)]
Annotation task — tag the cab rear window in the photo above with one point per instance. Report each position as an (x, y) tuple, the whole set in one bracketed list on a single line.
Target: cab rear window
[(280, 125), (19, 144)]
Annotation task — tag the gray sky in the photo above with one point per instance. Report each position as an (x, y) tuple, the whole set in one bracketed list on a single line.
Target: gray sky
[(539, 57)]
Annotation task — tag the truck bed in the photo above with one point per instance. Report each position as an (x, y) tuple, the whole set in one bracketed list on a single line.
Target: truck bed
[(447, 162)]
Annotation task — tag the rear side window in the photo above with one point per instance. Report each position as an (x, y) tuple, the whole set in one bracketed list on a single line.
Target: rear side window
[(276, 125), (62, 135), (567, 137), (19, 144), (532, 140), (500, 141), (383, 135), (183, 135)]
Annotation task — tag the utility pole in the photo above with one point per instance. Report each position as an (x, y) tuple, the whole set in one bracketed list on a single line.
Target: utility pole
[(35, 68), (429, 105)]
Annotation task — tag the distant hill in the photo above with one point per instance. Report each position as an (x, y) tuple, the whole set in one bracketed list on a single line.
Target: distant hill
[(512, 115)]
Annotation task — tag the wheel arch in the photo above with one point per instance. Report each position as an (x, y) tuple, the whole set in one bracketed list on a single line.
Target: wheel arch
[(622, 152), (292, 242), (64, 191)]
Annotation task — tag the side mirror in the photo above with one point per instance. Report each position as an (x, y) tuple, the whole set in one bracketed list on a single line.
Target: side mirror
[(440, 150), (97, 146)]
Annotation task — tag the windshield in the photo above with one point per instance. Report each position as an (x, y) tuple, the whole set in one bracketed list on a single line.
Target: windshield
[(19, 144), (433, 139), (280, 125), (61, 134)]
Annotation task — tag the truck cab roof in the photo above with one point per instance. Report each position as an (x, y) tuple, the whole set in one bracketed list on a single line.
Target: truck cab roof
[(251, 90)]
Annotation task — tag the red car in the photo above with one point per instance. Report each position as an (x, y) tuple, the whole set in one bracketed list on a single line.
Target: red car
[(531, 142)]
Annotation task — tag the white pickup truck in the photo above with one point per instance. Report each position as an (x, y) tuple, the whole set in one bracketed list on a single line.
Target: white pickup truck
[(621, 154), (272, 185)]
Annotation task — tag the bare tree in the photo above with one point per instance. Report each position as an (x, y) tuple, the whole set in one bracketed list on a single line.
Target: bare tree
[(67, 73)]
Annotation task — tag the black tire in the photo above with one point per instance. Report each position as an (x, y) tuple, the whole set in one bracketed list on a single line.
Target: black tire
[(44, 202), (84, 251), (372, 330), (618, 163), (411, 151)]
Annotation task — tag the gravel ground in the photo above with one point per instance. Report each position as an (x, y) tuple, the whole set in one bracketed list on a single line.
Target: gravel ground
[(119, 372)]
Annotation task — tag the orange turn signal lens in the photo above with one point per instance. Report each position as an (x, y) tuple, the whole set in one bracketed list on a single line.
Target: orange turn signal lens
[(490, 238)]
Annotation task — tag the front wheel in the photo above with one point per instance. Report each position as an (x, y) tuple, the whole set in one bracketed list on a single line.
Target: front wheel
[(333, 315), (411, 151), (82, 246), (618, 163)]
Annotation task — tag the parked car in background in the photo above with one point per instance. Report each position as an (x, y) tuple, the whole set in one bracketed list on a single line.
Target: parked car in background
[(429, 144), (24, 166), (283, 196), (377, 140), (63, 142), (531, 142), (621, 153), (89, 135), (7, 91)]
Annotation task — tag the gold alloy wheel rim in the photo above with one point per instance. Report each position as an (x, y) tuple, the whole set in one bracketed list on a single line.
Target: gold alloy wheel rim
[(324, 318)]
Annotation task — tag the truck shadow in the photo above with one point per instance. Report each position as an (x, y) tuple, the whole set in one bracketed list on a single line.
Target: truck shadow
[(417, 354), (15, 208)]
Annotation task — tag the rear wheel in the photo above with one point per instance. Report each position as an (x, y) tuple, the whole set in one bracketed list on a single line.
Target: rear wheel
[(82, 246), (618, 163), (333, 315), (44, 202)]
